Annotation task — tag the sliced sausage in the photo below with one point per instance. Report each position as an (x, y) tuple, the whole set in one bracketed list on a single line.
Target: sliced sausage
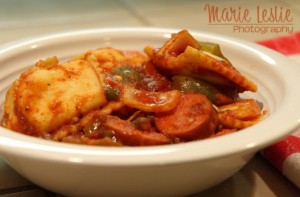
[(193, 118), (131, 136)]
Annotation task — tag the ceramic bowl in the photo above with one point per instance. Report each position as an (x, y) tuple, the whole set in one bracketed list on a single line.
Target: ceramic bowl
[(168, 170)]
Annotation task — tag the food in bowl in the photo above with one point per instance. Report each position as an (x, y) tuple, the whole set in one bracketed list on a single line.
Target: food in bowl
[(184, 91)]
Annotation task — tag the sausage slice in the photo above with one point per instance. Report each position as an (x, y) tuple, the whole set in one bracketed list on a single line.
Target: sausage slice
[(131, 136), (193, 118)]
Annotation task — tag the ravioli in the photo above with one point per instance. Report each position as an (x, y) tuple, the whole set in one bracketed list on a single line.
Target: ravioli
[(46, 97)]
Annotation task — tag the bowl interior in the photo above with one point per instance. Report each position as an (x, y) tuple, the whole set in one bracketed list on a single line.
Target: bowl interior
[(275, 75)]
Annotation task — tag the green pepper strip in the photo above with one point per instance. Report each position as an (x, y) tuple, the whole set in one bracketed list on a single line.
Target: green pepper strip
[(129, 75), (212, 48), (111, 93), (191, 85)]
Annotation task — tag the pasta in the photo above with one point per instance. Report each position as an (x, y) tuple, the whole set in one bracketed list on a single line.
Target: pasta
[(184, 91)]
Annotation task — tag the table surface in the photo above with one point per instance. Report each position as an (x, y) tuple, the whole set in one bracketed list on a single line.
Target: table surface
[(27, 19)]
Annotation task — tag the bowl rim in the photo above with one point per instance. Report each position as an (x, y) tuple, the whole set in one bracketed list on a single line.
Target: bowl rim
[(12, 143)]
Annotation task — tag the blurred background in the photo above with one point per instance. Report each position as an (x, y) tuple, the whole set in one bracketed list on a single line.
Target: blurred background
[(30, 18)]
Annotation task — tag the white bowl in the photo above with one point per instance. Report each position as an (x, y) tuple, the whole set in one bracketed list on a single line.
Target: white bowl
[(169, 170)]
